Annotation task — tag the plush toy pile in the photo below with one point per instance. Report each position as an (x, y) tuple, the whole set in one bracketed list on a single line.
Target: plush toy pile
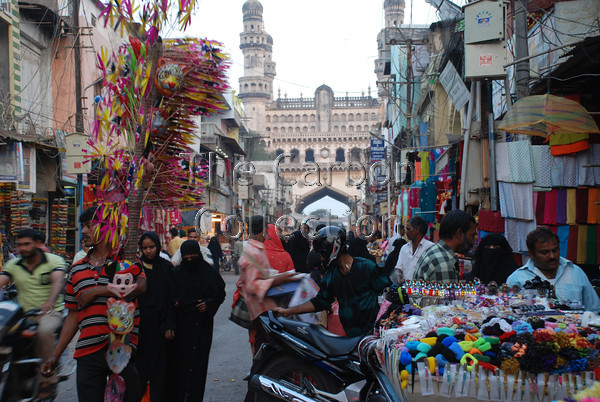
[(479, 347)]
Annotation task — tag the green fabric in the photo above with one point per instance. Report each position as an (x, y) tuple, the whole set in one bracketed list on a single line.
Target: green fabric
[(564, 139), (591, 255)]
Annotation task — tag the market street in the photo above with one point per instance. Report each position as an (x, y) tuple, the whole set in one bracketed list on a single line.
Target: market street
[(229, 357)]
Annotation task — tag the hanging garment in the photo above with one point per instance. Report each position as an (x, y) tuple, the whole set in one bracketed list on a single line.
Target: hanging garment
[(542, 162), (563, 239), (424, 155), (516, 200), (593, 198), (582, 205), (502, 165), (564, 144), (585, 175), (557, 172), (569, 171), (539, 206), (511, 232), (427, 200), (571, 206), (524, 228), (561, 207), (596, 158), (581, 244), (591, 256), (520, 156), (414, 197), (573, 240), (507, 205), (550, 209), (405, 204)]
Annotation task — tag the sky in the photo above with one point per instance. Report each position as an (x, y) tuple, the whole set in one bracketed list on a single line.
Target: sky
[(316, 42)]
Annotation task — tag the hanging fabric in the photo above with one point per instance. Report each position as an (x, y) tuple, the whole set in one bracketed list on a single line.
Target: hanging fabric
[(563, 239), (520, 156), (571, 206), (582, 205), (561, 206), (593, 199)]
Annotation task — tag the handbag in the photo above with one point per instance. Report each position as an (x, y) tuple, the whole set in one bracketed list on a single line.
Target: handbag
[(240, 314)]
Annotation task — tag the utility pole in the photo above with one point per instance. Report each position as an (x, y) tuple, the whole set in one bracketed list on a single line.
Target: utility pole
[(521, 52), (409, 91), (521, 49), (78, 110)]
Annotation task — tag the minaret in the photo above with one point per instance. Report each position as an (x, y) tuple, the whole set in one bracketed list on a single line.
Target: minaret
[(394, 17), (256, 86), (394, 13)]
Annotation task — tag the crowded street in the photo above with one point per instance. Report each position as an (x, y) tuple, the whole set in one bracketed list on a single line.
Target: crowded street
[(275, 200)]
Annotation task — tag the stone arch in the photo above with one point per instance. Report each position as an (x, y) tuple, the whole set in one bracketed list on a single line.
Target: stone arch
[(268, 118), (275, 119), (351, 117), (340, 155), (321, 192)]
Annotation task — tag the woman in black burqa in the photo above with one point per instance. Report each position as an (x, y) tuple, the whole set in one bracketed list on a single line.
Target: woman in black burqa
[(493, 260), (156, 318), (199, 290)]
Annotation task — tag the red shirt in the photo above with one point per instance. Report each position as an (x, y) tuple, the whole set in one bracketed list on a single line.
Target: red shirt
[(92, 320)]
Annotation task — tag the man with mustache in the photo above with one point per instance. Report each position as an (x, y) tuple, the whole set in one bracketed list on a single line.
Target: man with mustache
[(569, 281)]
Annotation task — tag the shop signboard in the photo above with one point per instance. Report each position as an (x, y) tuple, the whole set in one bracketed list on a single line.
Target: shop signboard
[(8, 163), (28, 181), (76, 145), (377, 149)]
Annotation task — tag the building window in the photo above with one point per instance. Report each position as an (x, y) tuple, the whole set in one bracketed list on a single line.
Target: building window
[(310, 156), (355, 155), (279, 152), (339, 155), (294, 155)]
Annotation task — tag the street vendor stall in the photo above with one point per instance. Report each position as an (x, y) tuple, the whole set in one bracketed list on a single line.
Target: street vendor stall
[(465, 340)]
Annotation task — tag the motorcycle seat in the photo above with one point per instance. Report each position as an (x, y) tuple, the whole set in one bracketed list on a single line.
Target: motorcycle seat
[(327, 342)]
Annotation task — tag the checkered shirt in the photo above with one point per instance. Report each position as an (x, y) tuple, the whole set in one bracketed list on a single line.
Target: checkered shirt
[(438, 263)]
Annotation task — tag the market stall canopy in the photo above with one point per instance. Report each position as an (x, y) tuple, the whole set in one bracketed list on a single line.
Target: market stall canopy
[(545, 115)]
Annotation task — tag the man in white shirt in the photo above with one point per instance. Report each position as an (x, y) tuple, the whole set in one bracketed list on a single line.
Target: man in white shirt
[(416, 228)]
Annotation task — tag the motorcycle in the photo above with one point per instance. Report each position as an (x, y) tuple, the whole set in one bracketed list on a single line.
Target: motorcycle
[(305, 362), (20, 376)]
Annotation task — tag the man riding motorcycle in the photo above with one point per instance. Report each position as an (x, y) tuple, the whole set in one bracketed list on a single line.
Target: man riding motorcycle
[(39, 278), (355, 282)]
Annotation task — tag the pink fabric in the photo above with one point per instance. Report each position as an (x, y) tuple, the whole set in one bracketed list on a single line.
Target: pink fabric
[(253, 284), (550, 208), (279, 259), (414, 199)]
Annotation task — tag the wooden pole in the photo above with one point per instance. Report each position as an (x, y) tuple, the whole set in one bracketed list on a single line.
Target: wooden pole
[(135, 202)]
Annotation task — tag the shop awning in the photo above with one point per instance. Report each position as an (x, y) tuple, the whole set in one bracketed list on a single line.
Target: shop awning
[(233, 144)]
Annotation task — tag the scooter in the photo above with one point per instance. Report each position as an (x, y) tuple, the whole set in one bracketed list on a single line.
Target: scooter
[(20, 375), (305, 362)]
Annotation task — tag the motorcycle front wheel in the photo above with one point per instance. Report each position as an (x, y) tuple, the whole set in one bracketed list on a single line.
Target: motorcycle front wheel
[(294, 371)]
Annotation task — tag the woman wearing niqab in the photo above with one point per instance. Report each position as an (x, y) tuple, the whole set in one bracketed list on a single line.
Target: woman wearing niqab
[(493, 259), (198, 291)]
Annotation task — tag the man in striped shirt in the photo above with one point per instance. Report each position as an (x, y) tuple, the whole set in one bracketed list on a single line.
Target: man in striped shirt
[(86, 299)]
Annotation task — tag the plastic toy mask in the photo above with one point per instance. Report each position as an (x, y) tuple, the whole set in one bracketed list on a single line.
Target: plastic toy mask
[(115, 389), (120, 316), (118, 354), (169, 77), (122, 284)]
